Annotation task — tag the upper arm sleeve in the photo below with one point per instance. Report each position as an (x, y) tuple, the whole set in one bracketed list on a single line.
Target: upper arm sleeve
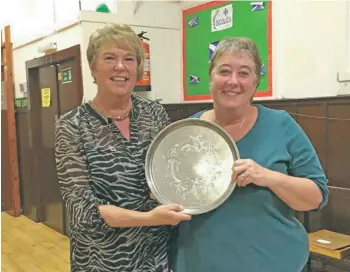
[(74, 180), (304, 160)]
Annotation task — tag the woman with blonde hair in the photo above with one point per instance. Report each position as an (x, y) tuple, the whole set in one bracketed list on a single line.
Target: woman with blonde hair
[(279, 172), (100, 152)]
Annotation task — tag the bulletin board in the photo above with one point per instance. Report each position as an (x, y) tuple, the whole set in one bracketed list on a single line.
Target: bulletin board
[(205, 25)]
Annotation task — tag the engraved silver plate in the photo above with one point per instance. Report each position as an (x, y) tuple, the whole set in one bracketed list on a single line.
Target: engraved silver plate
[(190, 163)]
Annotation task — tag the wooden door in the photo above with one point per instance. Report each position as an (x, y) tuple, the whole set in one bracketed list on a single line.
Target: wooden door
[(49, 96), (46, 171), (69, 98)]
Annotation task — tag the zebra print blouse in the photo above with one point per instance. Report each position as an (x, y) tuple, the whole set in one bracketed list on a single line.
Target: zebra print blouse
[(97, 165)]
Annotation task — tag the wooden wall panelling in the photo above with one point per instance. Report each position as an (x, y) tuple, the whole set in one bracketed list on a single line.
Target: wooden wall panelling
[(336, 215), (6, 197), (338, 148), (25, 163), (314, 127)]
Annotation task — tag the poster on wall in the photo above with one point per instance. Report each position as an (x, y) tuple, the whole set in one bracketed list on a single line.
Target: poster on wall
[(205, 25), (46, 97)]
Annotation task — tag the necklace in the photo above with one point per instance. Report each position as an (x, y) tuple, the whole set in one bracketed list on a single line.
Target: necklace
[(212, 119), (117, 118)]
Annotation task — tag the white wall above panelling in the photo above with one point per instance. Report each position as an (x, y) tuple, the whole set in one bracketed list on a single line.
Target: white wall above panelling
[(348, 32), (165, 63), (311, 45), (35, 19), (344, 77), (190, 4), (161, 14), (164, 14), (161, 20)]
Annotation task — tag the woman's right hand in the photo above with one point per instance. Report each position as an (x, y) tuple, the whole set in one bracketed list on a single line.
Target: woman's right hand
[(168, 215)]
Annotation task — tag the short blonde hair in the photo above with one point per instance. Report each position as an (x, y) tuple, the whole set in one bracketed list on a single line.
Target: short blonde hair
[(235, 45), (126, 39)]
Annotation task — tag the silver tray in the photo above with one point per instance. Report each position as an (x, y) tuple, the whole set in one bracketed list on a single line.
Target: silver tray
[(190, 163)]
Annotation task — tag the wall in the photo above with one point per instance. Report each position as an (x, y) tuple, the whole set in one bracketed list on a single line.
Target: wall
[(65, 38), (348, 36), (311, 44), (310, 47), (163, 30), (190, 4), (165, 68)]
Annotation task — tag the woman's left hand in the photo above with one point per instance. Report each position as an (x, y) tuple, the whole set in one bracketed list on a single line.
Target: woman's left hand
[(246, 171)]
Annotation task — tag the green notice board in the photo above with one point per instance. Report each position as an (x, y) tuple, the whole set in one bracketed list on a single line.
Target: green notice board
[(205, 25)]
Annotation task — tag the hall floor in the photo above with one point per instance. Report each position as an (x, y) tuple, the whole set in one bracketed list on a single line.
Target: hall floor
[(27, 246)]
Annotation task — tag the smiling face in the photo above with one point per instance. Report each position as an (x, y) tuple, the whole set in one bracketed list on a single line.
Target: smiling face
[(233, 79), (115, 69), (116, 59)]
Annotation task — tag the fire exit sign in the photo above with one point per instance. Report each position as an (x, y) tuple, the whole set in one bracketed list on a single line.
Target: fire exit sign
[(66, 75), (21, 103)]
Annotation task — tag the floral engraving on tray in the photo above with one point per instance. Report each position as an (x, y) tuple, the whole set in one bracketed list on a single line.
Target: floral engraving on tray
[(195, 168)]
